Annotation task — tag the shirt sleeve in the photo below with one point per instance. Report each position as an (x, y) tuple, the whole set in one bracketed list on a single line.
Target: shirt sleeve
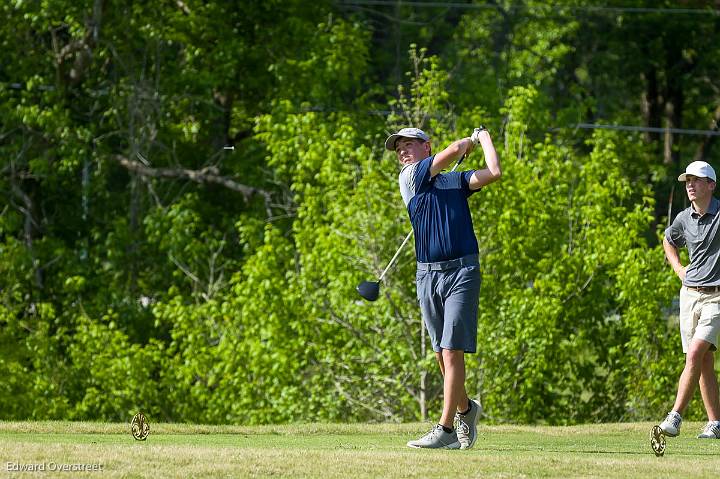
[(674, 233), (414, 178), (421, 177), (465, 180)]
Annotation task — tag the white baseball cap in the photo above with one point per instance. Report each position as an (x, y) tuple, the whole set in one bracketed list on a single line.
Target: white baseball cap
[(699, 169), (405, 133)]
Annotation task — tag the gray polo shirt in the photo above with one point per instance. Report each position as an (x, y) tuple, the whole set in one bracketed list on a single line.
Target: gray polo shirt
[(700, 235)]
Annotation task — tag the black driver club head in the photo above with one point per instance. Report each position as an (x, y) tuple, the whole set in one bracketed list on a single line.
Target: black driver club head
[(369, 290)]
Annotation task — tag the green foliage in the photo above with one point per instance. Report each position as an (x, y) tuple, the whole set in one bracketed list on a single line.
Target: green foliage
[(557, 317), (143, 266), (117, 376)]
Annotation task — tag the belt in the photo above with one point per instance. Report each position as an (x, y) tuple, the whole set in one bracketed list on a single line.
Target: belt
[(469, 260), (705, 289)]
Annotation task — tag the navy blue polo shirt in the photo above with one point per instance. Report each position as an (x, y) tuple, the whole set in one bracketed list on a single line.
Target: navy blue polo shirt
[(439, 212)]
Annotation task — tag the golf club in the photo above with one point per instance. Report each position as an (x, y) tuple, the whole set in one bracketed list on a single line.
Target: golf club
[(370, 290)]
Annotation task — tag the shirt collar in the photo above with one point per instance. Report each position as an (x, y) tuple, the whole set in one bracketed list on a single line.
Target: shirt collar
[(713, 207)]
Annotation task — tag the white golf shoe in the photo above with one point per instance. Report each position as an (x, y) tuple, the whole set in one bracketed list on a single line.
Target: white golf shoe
[(710, 431), (671, 424), (467, 425), (437, 438)]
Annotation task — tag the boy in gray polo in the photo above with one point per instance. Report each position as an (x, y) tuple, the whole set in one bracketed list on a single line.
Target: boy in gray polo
[(697, 228), (448, 273)]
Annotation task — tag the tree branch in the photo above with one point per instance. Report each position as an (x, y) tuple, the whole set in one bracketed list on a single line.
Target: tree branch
[(207, 175)]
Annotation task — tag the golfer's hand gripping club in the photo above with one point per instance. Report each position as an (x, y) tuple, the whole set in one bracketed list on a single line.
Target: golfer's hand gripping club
[(475, 137)]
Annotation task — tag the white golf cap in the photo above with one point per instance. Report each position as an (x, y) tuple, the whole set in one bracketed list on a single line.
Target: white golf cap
[(405, 133), (699, 169)]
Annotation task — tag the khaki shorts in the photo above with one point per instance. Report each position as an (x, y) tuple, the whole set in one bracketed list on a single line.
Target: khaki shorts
[(699, 317)]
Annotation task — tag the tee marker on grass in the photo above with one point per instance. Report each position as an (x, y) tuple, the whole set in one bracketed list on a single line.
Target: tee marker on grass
[(657, 441), (140, 427)]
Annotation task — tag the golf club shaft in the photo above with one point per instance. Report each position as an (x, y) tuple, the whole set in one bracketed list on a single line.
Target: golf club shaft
[(407, 238)]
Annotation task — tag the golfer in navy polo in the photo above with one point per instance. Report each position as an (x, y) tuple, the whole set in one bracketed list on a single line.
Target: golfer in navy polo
[(448, 272)]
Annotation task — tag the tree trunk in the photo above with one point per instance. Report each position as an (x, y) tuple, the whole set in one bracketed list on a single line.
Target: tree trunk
[(673, 119), (30, 224), (650, 104)]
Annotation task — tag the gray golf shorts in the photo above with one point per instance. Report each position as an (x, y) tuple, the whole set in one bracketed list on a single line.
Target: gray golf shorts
[(448, 293)]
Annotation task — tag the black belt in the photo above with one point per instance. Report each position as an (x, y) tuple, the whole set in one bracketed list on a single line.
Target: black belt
[(705, 289), (469, 260)]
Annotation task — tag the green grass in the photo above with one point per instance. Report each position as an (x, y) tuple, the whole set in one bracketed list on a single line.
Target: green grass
[(350, 451)]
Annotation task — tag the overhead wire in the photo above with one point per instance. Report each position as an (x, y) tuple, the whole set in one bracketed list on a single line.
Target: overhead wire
[(648, 129), (556, 8)]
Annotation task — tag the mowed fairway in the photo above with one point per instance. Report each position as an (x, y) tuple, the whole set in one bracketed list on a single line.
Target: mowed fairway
[(349, 451)]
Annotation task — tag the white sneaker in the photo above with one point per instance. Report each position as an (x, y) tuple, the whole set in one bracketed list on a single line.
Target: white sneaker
[(437, 438), (710, 431), (467, 425), (671, 424)]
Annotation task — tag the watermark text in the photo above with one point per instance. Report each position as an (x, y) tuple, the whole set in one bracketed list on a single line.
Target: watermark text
[(52, 467)]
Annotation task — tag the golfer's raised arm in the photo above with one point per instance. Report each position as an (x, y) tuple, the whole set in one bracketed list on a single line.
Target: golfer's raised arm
[(453, 152), (492, 172)]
